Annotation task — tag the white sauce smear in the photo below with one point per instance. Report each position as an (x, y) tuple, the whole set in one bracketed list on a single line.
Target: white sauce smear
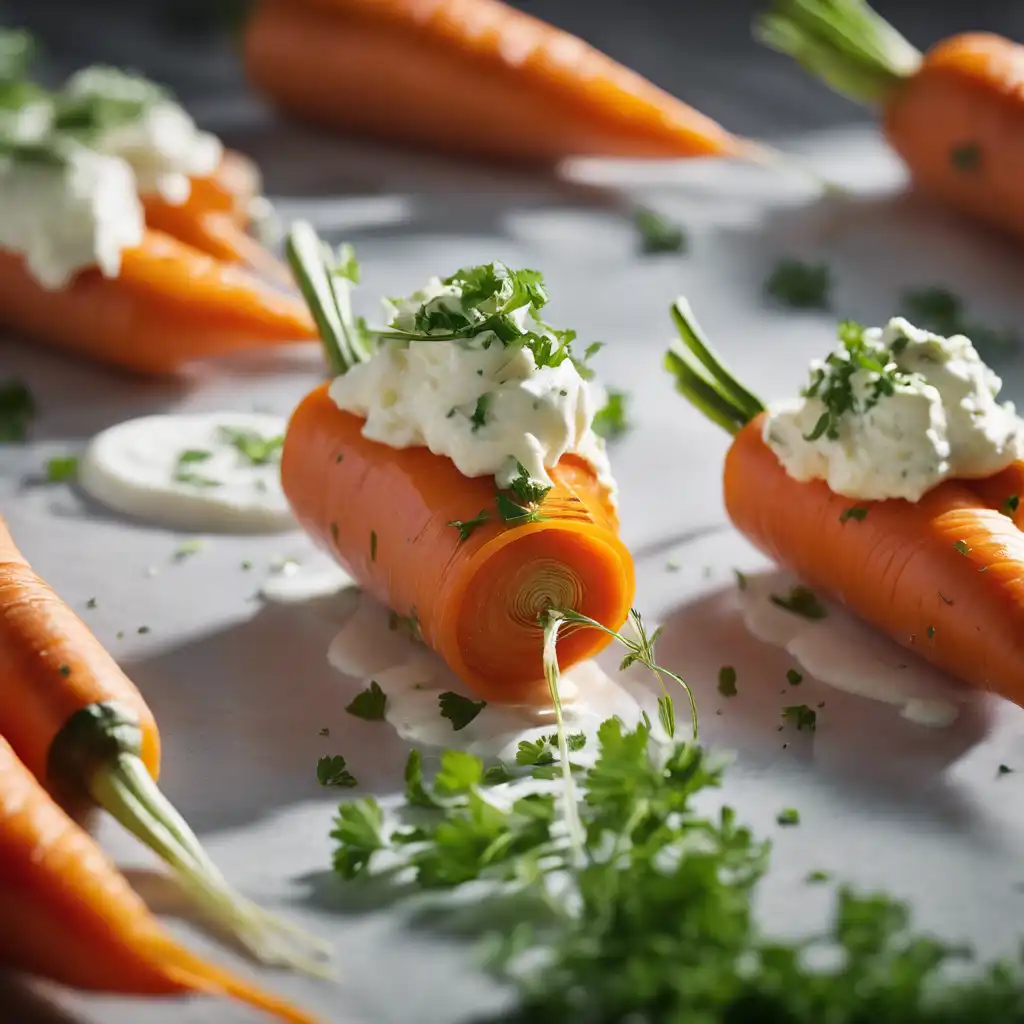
[(413, 678), (185, 472), (843, 652)]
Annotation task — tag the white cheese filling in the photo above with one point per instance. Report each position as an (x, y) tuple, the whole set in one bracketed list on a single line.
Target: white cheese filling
[(917, 409)]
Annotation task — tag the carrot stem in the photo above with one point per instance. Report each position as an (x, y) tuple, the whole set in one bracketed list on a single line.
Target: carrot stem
[(100, 745), (843, 42), (325, 287)]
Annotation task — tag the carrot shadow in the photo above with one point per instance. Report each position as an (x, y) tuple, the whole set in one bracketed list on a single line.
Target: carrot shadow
[(246, 706), (23, 1003), (861, 748)]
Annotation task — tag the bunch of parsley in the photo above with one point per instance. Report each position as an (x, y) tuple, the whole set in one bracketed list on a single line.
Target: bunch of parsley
[(655, 923)]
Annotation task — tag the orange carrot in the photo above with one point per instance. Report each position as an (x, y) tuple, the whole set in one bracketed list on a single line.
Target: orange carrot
[(394, 518), (169, 305), (82, 728), (954, 114), (477, 601), (68, 915), (232, 188), (472, 76), (943, 576)]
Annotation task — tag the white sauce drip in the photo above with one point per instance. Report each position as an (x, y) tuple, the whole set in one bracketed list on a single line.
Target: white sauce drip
[(845, 653), (132, 467), (413, 678)]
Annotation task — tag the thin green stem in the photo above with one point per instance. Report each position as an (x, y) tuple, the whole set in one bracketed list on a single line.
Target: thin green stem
[(843, 42), (552, 674), (126, 790), (327, 293), (701, 394)]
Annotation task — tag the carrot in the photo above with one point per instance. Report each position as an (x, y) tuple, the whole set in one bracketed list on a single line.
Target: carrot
[(232, 188), (954, 114), (943, 576), (81, 727), (472, 76), (388, 516), (476, 602), (67, 914), (169, 305)]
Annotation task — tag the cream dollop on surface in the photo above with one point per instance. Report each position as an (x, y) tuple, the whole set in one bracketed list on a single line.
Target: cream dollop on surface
[(181, 471), (936, 418)]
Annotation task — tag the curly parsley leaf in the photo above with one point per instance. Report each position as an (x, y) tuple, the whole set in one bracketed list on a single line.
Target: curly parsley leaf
[(17, 410), (801, 601), (800, 285), (467, 526), (459, 710), (611, 420), (331, 770), (658, 233), (369, 704)]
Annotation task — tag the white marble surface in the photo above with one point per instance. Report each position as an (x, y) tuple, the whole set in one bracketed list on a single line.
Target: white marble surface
[(241, 689)]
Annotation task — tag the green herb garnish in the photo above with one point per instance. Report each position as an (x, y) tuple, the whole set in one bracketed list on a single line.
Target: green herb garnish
[(966, 157), (793, 677), (332, 771), (521, 505), (962, 546), (804, 718), (858, 512), (1010, 506), (727, 681), (188, 548), (788, 816), (17, 409), (62, 468), (658, 234), (185, 476), (191, 455), (373, 545), (467, 526), (256, 449), (611, 420), (480, 413), (801, 601), (543, 750), (800, 285), (459, 710), (369, 704)]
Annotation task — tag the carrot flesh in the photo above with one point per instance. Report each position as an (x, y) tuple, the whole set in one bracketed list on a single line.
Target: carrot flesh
[(469, 76), (230, 189), (83, 729), (941, 576), (68, 915), (476, 602), (169, 306)]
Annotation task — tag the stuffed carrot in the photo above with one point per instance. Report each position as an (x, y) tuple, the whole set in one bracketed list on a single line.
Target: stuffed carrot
[(66, 914), (473, 76), (168, 305), (80, 726), (881, 487), (451, 467), (954, 114)]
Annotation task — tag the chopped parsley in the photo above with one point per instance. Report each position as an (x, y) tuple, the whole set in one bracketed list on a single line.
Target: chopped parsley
[(940, 310), (962, 546), (373, 545), (741, 579), (793, 677), (246, 565), (62, 468), (966, 156), (832, 382), (800, 285), (188, 548), (658, 234), (801, 601), (142, 630), (324, 731), (184, 475), (480, 413), (521, 504), (544, 749), (334, 532), (1005, 769), (931, 632), (1010, 506), (800, 715), (858, 512), (459, 710), (611, 421), (467, 526), (331, 770), (191, 455), (252, 446), (497, 774), (65, 670), (410, 623), (91, 603), (17, 410), (727, 681), (788, 816), (369, 704), (817, 877)]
